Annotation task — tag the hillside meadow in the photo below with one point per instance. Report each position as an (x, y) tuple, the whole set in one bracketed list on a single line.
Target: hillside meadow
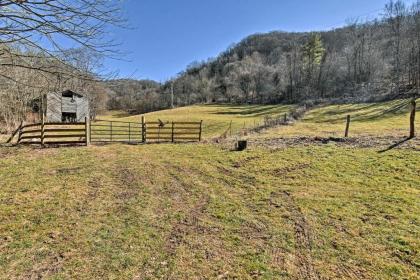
[(309, 210)]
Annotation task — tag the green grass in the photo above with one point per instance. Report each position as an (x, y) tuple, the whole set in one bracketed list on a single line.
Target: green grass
[(190, 211), (216, 118), (194, 211), (370, 119)]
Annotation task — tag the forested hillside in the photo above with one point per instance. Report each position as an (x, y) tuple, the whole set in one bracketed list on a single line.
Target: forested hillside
[(363, 61)]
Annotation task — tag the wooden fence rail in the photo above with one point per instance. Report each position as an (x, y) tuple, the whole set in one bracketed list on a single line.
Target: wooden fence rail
[(104, 131), (52, 134)]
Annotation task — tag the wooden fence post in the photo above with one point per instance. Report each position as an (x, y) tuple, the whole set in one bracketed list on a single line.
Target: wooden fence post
[(143, 130), (285, 117), (172, 132), (87, 132), (129, 132), (346, 134), (15, 132), (201, 129), (230, 128), (42, 132), (20, 135), (413, 119), (90, 131), (110, 128)]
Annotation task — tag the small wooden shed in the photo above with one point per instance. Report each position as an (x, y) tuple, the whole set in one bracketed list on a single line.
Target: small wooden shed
[(66, 106)]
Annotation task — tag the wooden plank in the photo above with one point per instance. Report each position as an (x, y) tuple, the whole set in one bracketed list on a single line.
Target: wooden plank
[(64, 124), (64, 130), (65, 136), (30, 143), (31, 131), (116, 134), (30, 125), (114, 141), (187, 139), (14, 133), (68, 105), (64, 142), (159, 138), (30, 137)]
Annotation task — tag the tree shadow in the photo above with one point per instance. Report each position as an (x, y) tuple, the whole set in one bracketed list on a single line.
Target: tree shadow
[(370, 112), (252, 110), (393, 146)]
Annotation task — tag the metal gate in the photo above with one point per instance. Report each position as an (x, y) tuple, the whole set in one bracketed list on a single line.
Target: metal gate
[(103, 131), (172, 131)]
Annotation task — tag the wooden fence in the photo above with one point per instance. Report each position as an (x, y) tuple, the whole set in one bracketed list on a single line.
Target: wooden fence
[(104, 131), (52, 134)]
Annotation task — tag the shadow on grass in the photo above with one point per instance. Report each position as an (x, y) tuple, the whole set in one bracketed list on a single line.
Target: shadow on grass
[(393, 146), (365, 113), (123, 115), (253, 110)]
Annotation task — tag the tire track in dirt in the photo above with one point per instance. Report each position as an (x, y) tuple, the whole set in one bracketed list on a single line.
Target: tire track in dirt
[(191, 221), (304, 262), (187, 226), (192, 205)]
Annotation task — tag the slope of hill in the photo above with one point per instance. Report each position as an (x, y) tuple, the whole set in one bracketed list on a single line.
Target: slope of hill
[(363, 61), (200, 211)]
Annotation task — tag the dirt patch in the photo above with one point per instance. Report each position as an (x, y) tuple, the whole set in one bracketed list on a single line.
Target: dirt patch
[(6, 152), (284, 171), (187, 226), (69, 171), (50, 266), (128, 185), (245, 161), (303, 239), (352, 273), (381, 143)]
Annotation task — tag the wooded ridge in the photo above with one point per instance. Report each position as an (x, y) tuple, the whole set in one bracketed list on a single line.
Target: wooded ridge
[(363, 61)]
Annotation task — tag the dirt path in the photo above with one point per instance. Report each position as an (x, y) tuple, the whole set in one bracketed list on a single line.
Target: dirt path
[(303, 240)]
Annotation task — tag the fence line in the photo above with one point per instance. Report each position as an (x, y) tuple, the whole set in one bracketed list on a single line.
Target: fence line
[(104, 131), (52, 134)]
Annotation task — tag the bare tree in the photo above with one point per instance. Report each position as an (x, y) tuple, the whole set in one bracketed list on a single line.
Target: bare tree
[(35, 28), (395, 12)]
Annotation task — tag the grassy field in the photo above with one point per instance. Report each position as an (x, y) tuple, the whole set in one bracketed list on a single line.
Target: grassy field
[(201, 211), (370, 119), (216, 118)]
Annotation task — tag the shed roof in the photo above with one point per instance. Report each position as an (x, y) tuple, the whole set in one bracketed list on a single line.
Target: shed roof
[(70, 92)]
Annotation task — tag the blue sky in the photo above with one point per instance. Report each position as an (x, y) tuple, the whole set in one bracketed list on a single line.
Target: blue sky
[(167, 35)]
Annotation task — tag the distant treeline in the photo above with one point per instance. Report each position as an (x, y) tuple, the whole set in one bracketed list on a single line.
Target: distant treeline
[(362, 61)]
